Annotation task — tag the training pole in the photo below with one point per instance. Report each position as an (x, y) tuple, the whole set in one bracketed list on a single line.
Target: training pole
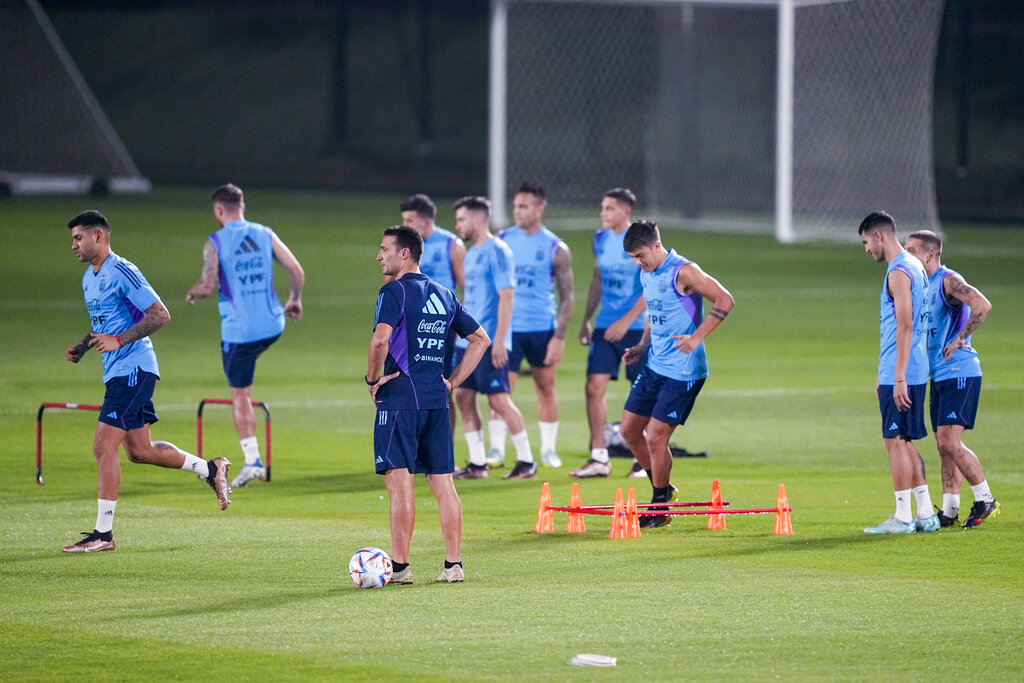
[(228, 402), (39, 430)]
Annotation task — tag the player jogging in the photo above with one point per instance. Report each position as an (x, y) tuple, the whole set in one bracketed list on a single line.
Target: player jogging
[(239, 259), (620, 324), (955, 309), (124, 310), (406, 383), (902, 373), (543, 268), (664, 392)]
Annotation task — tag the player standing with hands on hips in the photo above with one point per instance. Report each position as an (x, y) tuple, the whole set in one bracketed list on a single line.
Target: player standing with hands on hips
[(404, 375), (124, 310), (239, 258), (677, 364)]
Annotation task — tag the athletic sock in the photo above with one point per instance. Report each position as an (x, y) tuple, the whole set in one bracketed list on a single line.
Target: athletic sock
[(981, 492), (475, 442), (449, 565), (250, 450), (902, 514), (521, 441), (548, 437), (660, 494), (105, 515), (950, 505), (497, 430), (196, 466), (599, 454), (399, 566), (924, 501)]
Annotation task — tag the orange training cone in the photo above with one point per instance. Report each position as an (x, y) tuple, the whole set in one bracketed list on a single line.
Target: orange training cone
[(618, 527), (575, 523), (632, 516), (783, 522), (716, 521), (545, 518)]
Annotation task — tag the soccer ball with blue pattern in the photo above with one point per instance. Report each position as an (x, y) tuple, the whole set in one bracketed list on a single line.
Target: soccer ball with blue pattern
[(370, 568)]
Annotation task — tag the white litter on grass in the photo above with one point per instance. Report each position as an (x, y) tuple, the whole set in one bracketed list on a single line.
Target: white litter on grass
[(592, 660)]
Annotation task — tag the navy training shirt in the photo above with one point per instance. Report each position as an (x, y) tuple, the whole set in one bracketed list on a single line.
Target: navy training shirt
[(421, 312)]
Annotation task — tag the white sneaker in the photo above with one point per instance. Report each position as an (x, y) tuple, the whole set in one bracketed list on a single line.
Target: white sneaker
[(402, 578), (550, 459), (248, 473), (495, 458), (592, 468), (451, 574)]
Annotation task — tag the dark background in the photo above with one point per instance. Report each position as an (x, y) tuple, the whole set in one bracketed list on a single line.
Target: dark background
[(393, 96)]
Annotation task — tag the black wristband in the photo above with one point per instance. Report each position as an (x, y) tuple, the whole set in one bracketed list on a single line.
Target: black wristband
[(369, 383)]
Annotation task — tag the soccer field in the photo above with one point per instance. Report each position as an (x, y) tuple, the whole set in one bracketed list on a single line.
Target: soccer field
[(261, 592)]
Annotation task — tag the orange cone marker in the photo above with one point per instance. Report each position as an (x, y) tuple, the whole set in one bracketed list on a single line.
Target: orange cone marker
[(618, 527), (783, 522), (545, 518), (632, 516), (716, 521), (575, 523)]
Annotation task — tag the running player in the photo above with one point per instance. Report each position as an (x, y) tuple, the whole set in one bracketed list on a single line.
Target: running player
[(239, 258), (955, 309), (406, 383), (124, 310)]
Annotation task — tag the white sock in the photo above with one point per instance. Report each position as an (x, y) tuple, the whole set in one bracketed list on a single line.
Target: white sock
[(475, 442), (497, 430), (599, 454), (105, 515), (196, 465), (924, 501), (522, 443), (250, 450), (548, 436), (951, 504), (981, 492), (902, 513)]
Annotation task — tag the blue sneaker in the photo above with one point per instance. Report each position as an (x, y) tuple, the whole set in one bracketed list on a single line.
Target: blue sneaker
[(928, 524), (892, 526)]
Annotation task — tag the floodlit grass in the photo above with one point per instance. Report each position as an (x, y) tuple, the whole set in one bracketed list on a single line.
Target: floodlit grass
[(260, 591)]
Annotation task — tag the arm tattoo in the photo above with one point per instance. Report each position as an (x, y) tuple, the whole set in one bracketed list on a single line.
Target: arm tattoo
[(972, 324), (718, 313), (155, 318), (563, 284)]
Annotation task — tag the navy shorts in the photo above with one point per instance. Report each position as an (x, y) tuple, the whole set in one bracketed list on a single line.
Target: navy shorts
[(955, 402), (663, 398), (485, 379), (908, 423), (240, 360), (533, 346), (416, 440), (605, 357), (128, 401)]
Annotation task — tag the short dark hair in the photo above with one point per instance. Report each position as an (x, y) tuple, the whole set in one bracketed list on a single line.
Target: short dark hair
[(639, 235), (406, 238), (474, 203), (877, 220), (228, 194), (929, 239), (421, 204), (90, 219), (622, 194), (534, 189)]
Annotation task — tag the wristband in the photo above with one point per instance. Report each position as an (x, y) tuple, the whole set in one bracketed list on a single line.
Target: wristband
[(369, 383), (118, 338)]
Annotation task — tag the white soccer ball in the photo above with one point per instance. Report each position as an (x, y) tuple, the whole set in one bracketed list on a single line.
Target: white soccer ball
[(370, 568)]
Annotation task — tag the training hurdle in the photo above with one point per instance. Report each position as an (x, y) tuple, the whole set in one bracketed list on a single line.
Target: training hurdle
[(228, 402), (39, 430), (625, 517)]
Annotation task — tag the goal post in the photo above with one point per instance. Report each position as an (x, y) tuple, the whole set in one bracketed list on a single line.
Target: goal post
[(790, 117), (57, 138)]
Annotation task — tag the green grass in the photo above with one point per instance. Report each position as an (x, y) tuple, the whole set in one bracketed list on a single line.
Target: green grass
[(260, 592)]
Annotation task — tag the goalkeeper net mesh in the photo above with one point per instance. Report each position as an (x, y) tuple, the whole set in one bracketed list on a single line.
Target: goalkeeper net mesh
[(678, 102)]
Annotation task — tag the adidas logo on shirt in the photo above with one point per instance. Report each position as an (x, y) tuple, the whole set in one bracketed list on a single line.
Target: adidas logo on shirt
[(248, 246), (434, 305)]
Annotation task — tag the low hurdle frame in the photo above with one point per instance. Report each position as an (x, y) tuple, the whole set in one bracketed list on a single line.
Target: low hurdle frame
[(39, 430), (227, 402)]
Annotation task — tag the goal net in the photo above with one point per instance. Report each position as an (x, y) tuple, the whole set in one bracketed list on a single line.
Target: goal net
[(55, 136), (793, 116)]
